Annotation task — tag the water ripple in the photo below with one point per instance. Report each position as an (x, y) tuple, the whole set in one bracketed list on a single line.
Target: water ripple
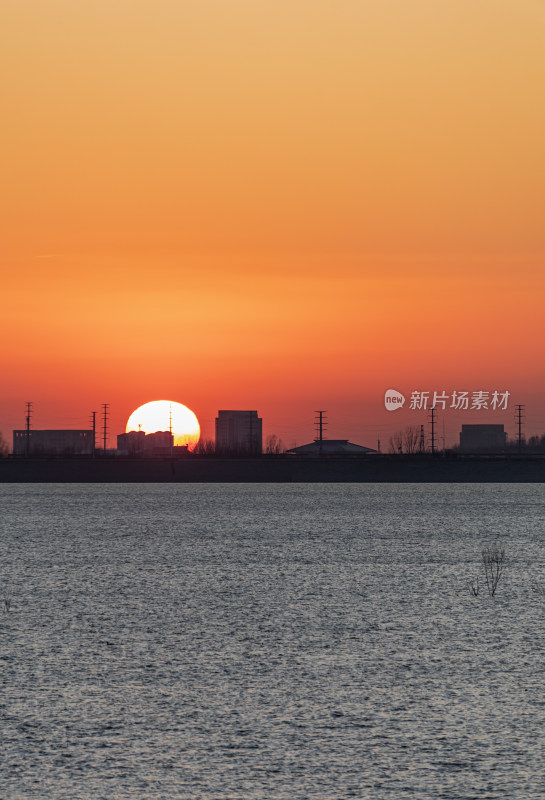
[(245, 642)]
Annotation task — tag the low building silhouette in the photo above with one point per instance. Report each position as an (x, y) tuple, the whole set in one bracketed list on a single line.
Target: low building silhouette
[(330, 447), (149, 445), (53, 443), (131, 443), (239, 432), (482, 439), (160, 443)]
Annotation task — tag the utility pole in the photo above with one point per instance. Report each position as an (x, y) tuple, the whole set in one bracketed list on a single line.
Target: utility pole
[(94, 429), (378, 445), (519, 416), (28, 417), (105, 407), (170, 429), (320, 425), (432, 420)]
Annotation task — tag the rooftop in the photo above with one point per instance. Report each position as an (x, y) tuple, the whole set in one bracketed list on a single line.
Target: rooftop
[(330, 447)]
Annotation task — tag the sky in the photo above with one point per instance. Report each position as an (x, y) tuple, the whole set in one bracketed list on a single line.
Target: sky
[(286, 206)]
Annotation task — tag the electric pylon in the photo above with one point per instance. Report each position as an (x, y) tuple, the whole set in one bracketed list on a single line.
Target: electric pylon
[(432, 421), (519, 416), (105, 407), (28, 407)]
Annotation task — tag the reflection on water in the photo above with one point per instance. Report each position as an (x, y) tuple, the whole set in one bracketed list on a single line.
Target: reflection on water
[(268, 641)]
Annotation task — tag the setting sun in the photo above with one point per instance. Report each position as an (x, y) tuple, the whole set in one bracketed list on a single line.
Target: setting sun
[(164, 415)]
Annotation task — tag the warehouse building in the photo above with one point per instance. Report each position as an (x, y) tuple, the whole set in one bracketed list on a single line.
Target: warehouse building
[(53, 443)]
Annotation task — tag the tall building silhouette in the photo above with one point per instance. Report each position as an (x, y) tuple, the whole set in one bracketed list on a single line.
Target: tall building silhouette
[(239, 432)]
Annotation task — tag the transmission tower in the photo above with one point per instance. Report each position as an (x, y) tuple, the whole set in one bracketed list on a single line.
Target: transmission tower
[(105, 407), (94, 430), (28, 408), (519, 416), (422, 446), (170, 429), (432, 421), (320, 423)]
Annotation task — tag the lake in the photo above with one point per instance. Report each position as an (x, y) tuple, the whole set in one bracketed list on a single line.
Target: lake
[(270, 641)]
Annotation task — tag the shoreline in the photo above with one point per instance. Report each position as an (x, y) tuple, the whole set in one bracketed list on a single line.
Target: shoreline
[(276, 469)]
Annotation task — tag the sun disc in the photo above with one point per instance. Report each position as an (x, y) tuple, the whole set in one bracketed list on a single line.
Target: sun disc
[(160, 415)]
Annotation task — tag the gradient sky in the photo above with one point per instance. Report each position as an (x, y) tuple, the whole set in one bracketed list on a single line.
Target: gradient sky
[(278, 205)]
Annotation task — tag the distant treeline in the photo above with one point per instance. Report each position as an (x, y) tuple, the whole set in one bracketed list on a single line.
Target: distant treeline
[(207, 447)]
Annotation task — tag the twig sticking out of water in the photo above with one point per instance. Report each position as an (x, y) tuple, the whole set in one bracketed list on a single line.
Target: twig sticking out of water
[(493, 562)]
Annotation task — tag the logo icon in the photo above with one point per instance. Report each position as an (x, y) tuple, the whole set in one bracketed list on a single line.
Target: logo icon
[(393, 400)]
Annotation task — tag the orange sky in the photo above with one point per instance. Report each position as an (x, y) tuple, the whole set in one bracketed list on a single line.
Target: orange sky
[(275, 205)]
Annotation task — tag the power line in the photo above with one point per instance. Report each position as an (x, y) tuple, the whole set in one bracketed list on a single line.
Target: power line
[(28, 406), (94, 429), (519, 416), (320, 425), (105, 407), (170, 429), (432, 420)]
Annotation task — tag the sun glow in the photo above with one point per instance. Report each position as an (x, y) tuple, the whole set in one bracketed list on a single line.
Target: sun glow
[(160, 415)]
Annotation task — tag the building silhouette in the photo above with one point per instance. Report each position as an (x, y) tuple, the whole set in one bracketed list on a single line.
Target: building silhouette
[(131, 443), (239, 432), (482, 439), (330, 447), (149, 445), (53, 443), (321, 446)]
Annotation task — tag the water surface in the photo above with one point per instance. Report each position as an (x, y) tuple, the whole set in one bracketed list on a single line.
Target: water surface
[(271, 641)]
